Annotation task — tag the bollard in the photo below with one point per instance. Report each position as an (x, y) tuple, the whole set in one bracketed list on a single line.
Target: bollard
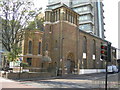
[(65, 70), (60, 72), (75, 70)]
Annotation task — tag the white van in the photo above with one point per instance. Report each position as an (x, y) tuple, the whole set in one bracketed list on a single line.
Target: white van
[(109, 69), (112, 69), (115, 69)]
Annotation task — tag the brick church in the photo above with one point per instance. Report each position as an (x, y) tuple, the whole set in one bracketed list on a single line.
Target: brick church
[(62, 45)]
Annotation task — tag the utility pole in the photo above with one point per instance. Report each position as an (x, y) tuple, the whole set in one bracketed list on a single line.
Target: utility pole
[(106, 74)]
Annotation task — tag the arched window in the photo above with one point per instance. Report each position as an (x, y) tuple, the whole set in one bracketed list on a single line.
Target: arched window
[(94, 47), (84, 61), (56, 44), (84, 44), (94, 53), (39, 48), (30, 47)]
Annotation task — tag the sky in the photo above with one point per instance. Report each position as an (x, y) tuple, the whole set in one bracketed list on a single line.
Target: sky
[(111, 18)]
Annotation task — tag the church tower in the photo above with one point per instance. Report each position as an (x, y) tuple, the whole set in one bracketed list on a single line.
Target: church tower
[(61, 37)]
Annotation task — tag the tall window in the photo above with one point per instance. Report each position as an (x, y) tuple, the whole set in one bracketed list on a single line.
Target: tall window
[(30, 47), (84, 61), (55, 16), (84, 45), (94, 53), (56, 44), (94, 47), (39, 48)]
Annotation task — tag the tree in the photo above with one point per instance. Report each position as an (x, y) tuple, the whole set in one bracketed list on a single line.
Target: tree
[(15, 15), (14, 54), (36, 24)]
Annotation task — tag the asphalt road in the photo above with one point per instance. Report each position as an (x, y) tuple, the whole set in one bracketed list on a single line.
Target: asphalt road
[(76, 81)]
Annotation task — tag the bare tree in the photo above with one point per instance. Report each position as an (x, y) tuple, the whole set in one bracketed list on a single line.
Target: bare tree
[(15, 14)]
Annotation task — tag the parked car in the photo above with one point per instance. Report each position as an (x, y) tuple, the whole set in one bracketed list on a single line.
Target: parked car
[(115, 69), (112, 69)]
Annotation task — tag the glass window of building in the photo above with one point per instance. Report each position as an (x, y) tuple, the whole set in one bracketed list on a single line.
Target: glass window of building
[(74, 2), (94, 53), (39, 48), (29, 61), (30, 47), (56, 44), (84, 45), (94, 47), (82, 9), (85, 18), (85, 8), (55, 16), (52, 1), (54, 6), (86, 27)]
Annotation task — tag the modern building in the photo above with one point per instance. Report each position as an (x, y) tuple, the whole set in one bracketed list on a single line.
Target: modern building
[(91, 14)]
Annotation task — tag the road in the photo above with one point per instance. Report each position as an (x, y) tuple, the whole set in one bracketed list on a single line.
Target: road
[(74, 81)]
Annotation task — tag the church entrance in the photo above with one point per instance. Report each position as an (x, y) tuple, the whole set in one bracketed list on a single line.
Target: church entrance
[(70, 64)]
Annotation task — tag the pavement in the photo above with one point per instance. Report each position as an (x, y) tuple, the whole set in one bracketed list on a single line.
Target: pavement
[(6, 83), (72, 81)]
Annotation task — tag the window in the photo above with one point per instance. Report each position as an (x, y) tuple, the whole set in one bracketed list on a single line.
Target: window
[(94, 47), (56, 44), (42, 65), (54, 6), (74, 2), (29, 61), (84, 45), (86, 27), (94, 53), (83, 9), (52, 1), (58, 15), (30, 47), (39, 48), (55, 16), (85, 18)]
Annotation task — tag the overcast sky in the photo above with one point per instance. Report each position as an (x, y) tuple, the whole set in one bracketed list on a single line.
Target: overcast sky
[(111, 18)]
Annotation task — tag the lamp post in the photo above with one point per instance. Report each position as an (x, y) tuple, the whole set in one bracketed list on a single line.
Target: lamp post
[(19, 70)]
